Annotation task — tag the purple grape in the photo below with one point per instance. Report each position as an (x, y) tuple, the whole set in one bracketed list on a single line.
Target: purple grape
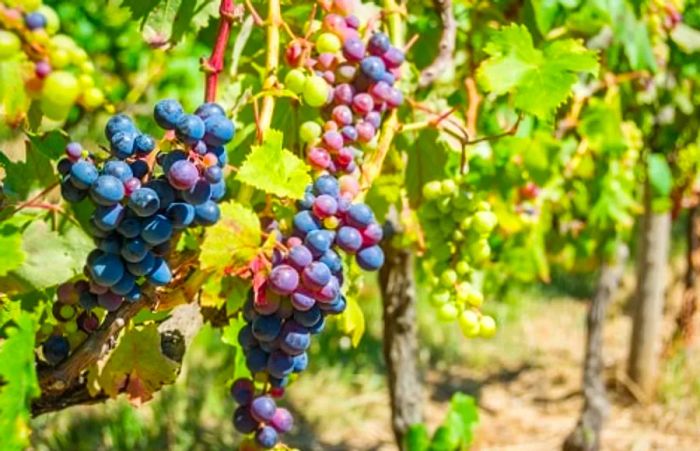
[(190, 128), (332, 140), (139, 168), (266, 437), (303, 300), (304, 222), (354, 50), (108, 218), (118, 169), (256, 359), (352, 21), (301, 361), (164, 191), (243, 421), (168, 113), (326, 184), (349, 136), (110, 301), (83, 174), (209, 109), (283, 279), (365, 131), (360, 216), (56, 348), (160, 275), (325, 206), (372, 234), (198, 193), (342, 115), (308, 317), (280, 364), (378, 44), (219, 130), (119, 123), (129, 227), (343, 94), (295, 339), (362, 103), (345, 73), (266, 327), (268, 304), (300, 256), (331, 259), (393, 57), (213, 174), (74, 151), (143, 267), (134, 250), (319, 241), (181, 214), (125, 284), (373, 67), (243, 390), (395, 98), (144, 144), (42, 69), (263, 408), (122, 144), (374, 118), (131, 185), (246, 338), (380, 90), (370, 258), (316, 275), (183, 174), (144, 202), (348, 239), (156, 230)]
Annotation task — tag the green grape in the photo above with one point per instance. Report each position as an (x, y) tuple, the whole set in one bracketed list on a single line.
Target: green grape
[(448, 312), (310, 131), (61, 88), (448, 187), (487, 326), (469, 323), (448, 278), (294, 81), (462, 201), (439, 298), (59, 58), (316, 91), (444, 205), (10, 45), (457, 236), (93, 98), (328, 43), (480, 250), (53, 23), (484, 222), (70, 327), (432, 190), (463, 268)]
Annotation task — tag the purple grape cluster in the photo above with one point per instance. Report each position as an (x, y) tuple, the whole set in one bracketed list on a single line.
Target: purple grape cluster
[(361, 77), (141, 202), (303, 288), (259, 414)]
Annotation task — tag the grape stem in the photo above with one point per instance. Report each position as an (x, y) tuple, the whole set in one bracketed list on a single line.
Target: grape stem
[(215, 64)]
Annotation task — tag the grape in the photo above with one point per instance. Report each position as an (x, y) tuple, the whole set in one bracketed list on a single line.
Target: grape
[(207, 214), (308, 317), (35, 21), (309, 131), (359, 216), (144, 202), (300, 256), (109, 244), (487, 326), (213, 174), (119, 123), (331, 259), (484, 222), (209, 109), (266, 327), (316, 275), (267, 304), (334, 308), (122, 144), (325, 206), (349, 135), (168, 113), (395, 98), (55, 349), (263, 408), (333, 140), (328, 43), (107, 269), (131, 185), (372, 234), (67, 293), (144, 144), (246, 338), (280, 364), (349, 239), (266, 437), (302, 300), (64, 166), (87, 300), (190, 128), (134, 250), (342, 114), (218, 190), (88, 322), (354, 50), (370, 258), (326, 184), (283, 279), (125, 284), (108, 218), (10, 44), (83, 174), (183, 174), (198, 193), (74, 151), (319, 158), (118, 169), (378, 44), (373, 67), (164, 192), (294, 81), (218, 130), (315, 91), (61, 88), (139, 168), (243, 421), (295, 340), (160, 275), (282, 420), (109, 301), (156, 230), (256, 359), (393, 57), (181, 214), (318, 241), (301, 361), (304, 222)]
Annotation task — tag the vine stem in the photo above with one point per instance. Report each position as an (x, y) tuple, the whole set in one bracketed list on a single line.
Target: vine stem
[(215, 64)]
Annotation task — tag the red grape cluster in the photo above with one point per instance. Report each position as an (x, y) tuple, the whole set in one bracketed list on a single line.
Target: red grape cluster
[(353, 80), (141, 202)]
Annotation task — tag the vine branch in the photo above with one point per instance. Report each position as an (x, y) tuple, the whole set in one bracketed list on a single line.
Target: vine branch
[(446, 46), (215, 64)]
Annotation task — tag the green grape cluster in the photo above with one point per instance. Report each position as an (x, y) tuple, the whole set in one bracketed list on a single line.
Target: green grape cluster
[(457, 225), (56, 71)]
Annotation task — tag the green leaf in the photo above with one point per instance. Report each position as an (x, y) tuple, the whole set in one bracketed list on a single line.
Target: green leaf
[(426, 162), (660, 176), (275, 170), (233, 241), (13, 98), (18, 382), (51, 257), (352, 321), (11, 252), (138, 377), (230, 337), (416, 438), (539, 80), (545, 13), (463, 413), (165, 22), (31, 171)]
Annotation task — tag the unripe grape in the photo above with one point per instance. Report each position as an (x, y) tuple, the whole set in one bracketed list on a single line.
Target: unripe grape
[(448, 187), (309, 132), (448, 278), (61, 88), (448, 312), (295, 80), (484, 222), (328, 43), (487, 326), (93, 98), (480, 250), (432, 190), (315, 91), (469, 323), (463, 268), (439, 298), (10, 44)]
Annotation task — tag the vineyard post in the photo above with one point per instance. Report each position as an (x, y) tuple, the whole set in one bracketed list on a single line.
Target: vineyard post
[(652, 263)]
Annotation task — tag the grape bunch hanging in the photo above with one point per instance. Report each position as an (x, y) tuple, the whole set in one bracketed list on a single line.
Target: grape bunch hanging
[(352, 81), (55, 70), (142, 201)]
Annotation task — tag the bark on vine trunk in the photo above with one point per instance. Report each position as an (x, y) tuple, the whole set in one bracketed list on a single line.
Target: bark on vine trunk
[(586, 434), (684, 332), (400, 339), (655, 237)]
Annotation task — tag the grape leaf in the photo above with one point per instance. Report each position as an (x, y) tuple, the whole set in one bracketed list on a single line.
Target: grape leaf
[(51, 258), (18, 382), (660, 176), (11, 245), (230, 337), (539, 79), (233, 241), (352, 321), (275, 170), (546, 12), (426, 162), (13, 101), (138, 377)]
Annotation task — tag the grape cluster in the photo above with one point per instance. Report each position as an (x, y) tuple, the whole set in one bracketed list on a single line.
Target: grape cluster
[(142, 200), (62, 74), (457, 226), (352, 80), (302, 289)]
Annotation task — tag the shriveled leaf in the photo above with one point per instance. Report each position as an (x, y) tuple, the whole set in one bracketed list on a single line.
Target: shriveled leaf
[(275, 170), (18, 382), (138, 377), (234, 241), (540, 80)]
